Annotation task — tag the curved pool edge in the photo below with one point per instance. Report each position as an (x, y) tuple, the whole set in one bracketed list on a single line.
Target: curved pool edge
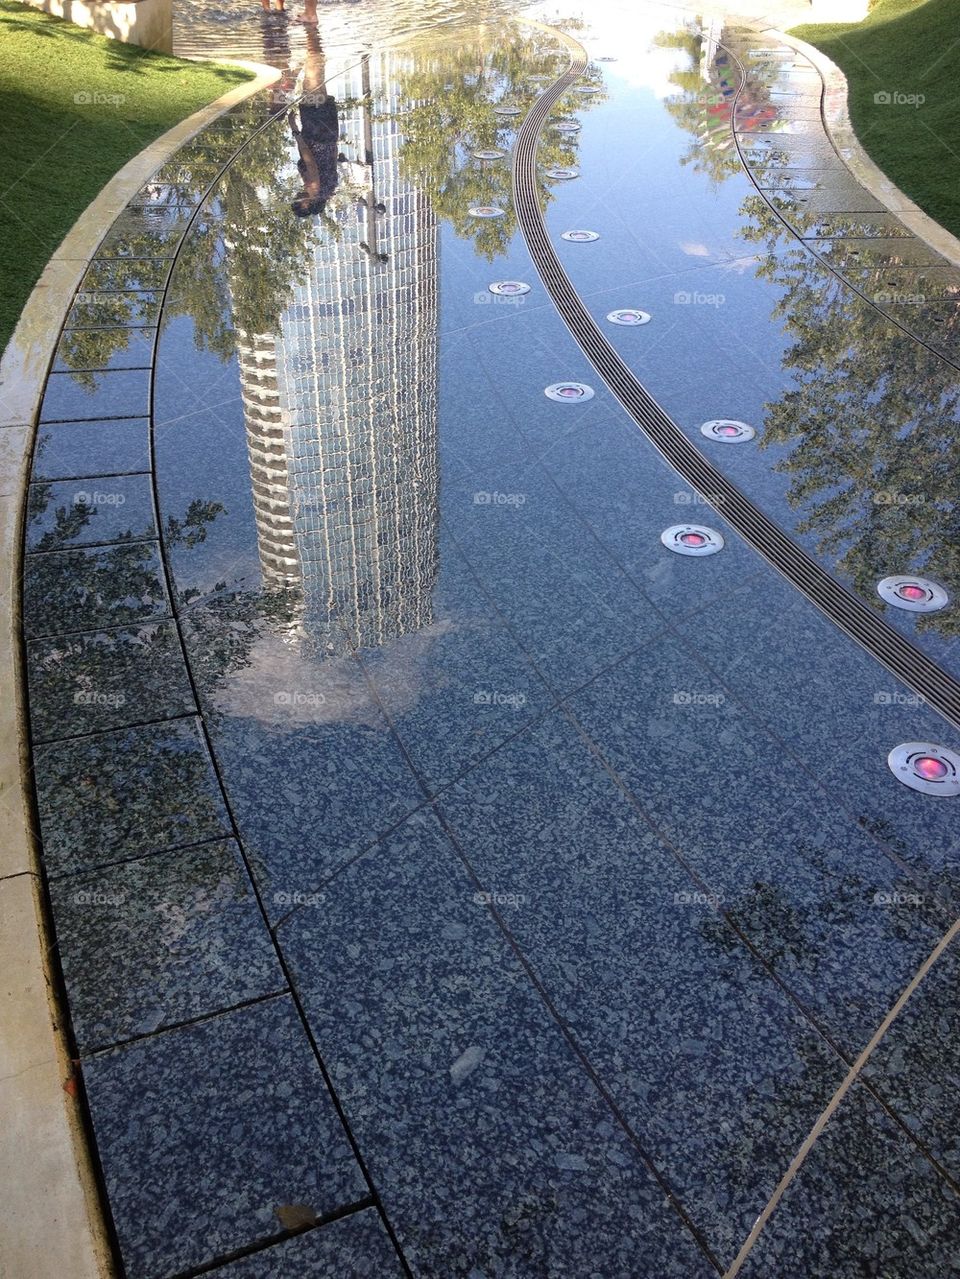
[(55, 1219), (843, 138)]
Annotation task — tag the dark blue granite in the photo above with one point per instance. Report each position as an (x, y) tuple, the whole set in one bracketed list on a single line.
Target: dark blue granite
[(313, 770), (205, 1131), (85, 590), (652, 984), (161, 940), (106, 679), (457, 686), (354, 1247), (70, 397), (89, 512), (840, 713), (865, 1202), (916, 1065), (492, 1150), (815, 895), (78, 449), (115, 796)]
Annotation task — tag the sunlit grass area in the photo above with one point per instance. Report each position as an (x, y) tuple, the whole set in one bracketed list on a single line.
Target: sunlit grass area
[(73, 109), (903, 67)]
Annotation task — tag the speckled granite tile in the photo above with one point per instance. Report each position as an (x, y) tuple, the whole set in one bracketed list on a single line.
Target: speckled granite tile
[(119, 348), (79, 449), (125, 274), (491, 1149), (569, 605), (122, 794), (628, 495), (88, 589), (71, 397), (865, 1203), (916, 1065), (205, 1131), (279, 705), (841, 712), (815, 895), (92, 511), (354, 1247), (160, 940), (106, 679), (651, 982), (459, 685), (107, 310)]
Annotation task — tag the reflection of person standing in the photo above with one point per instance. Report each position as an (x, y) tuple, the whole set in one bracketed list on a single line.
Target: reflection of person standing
[(318, 133)]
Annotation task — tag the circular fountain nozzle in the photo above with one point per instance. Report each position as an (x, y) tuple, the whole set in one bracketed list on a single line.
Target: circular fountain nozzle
[(486, 211), (566, 126), (569, 392), (692, 539), (506, 111), (561, 174), (915, 594), (580, 237), (727, 430), (509, 288), (926, 767), (488, 153), (630, 317)]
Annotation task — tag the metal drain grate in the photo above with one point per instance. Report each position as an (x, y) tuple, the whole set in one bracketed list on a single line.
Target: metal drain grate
[(851, 614)]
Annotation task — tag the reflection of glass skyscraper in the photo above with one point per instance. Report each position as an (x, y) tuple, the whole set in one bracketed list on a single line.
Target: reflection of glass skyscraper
[(341, 406)]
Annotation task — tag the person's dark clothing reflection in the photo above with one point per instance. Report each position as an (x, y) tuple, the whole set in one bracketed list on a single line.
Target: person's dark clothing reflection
[(316, 133)]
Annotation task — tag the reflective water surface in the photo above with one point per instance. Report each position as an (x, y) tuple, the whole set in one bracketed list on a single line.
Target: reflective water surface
[(579, 861)]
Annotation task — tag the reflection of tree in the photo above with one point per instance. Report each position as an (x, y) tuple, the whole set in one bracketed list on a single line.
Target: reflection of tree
[(872, 420), (451, 95), (703, 106)]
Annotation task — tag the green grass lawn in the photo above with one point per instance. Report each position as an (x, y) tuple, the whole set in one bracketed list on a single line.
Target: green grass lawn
[(911, 48), (60, 140)]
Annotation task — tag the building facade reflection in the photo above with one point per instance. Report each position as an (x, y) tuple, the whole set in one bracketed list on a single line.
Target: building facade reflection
[(340, 403)]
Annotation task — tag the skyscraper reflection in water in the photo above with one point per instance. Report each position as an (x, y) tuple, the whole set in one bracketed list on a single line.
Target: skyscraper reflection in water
[(340, 405)]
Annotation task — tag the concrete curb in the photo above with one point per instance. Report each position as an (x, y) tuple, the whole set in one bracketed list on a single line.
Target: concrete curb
[(840, 131), (53, 1220)]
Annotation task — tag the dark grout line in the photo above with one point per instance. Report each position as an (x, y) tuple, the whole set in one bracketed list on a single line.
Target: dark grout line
[(99, 1050), (273, 1241)]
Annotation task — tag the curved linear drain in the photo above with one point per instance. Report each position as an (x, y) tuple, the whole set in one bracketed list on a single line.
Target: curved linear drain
[(855, 618)]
